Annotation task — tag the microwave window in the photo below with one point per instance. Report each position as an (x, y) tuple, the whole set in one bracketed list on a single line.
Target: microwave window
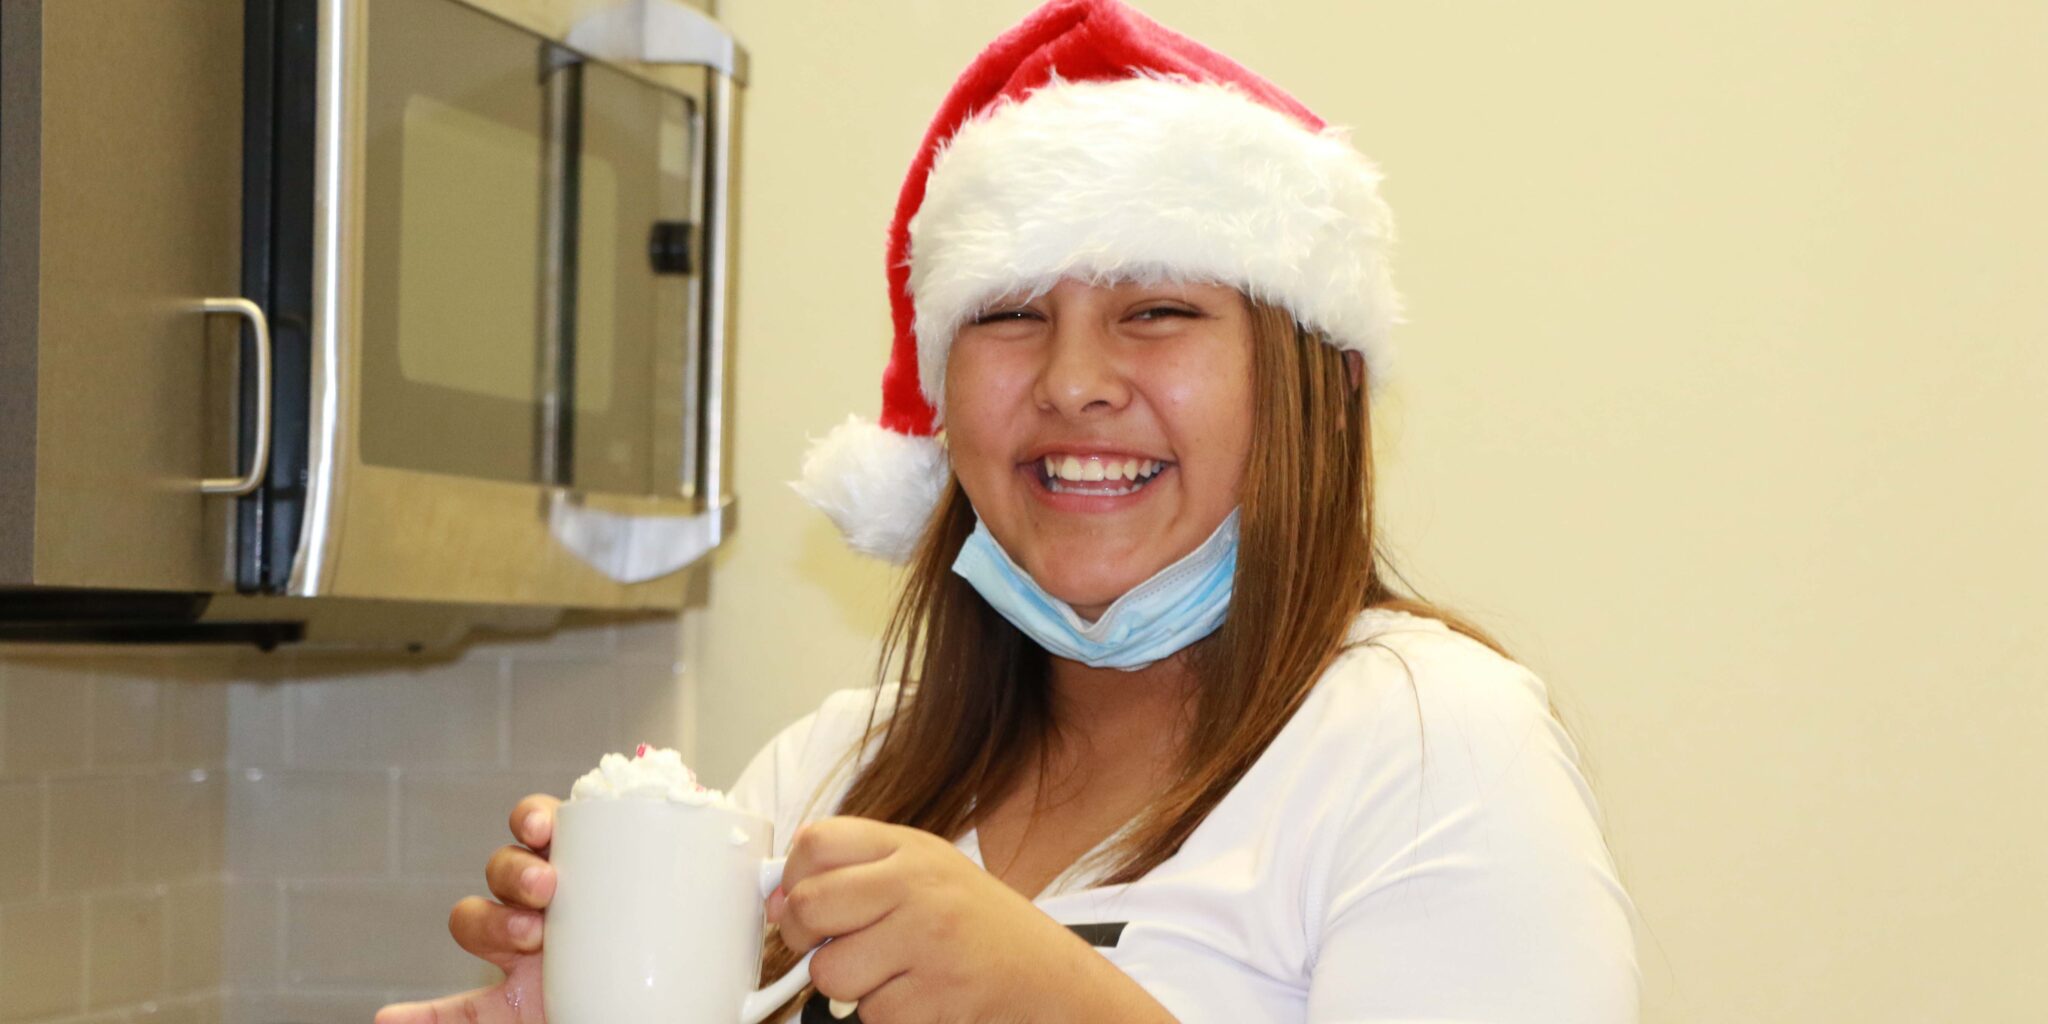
[(596, 313), (470, 217), (514, 324)]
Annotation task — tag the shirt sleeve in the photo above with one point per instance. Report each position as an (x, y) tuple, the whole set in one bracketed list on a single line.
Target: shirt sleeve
[(774, 769), (802, 772), (1470, 882)]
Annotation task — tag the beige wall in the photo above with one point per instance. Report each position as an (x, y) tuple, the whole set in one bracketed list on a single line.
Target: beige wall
[(1721, 402)]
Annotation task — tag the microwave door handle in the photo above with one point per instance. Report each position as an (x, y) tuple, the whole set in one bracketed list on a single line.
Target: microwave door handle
[(259, 461)]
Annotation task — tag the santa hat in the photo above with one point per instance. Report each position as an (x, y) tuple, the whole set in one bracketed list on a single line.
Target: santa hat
[(1091, 142)]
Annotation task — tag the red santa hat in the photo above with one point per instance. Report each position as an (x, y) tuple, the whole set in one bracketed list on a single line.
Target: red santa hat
[(1091, 142)]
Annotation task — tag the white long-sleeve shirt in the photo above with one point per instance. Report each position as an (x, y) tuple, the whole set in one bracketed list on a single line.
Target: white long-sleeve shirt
[(1417, 845)]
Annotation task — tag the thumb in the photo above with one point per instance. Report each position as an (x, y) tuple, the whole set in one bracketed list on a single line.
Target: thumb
[(504, 1003)]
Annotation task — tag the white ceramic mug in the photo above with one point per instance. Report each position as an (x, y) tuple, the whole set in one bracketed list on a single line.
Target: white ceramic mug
[(657, 915)]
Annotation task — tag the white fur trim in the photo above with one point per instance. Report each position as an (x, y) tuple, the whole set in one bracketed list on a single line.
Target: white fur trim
[(878, 486), (1153, 177)]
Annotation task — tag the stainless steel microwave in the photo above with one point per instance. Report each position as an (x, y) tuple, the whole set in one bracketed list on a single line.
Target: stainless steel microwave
[(361, 300)]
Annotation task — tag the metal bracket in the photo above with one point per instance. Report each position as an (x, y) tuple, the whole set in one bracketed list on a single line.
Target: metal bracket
[(635, 548), (660, 32)]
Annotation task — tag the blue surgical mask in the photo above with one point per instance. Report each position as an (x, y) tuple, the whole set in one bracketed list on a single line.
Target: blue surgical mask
[(1179, 605)]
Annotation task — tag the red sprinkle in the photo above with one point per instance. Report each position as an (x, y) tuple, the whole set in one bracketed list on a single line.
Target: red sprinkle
[(640, 751)]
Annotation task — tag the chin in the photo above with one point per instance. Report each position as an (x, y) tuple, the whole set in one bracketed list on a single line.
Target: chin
[(1087, 591)]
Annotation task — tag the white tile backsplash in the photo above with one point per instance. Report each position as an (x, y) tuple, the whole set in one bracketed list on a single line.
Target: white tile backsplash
[(252, 938), (563, 715), (650, 707), (195, 936), (197, 836), (309, 824), (21, 840), (376, 935), (432, 715), (652, 639), (42, 958), (180, 823), (258, 734), (302, 1008), (127, 720), (92, 833), (124, 941), (112, 808), (195, 724), (49, 717), (450, 822), (202, 1008)]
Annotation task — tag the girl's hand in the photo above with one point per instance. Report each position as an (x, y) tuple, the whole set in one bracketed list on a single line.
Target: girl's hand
[(921, 934), (507, 934)]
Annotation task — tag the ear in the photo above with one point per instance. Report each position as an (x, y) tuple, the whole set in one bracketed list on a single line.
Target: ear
[(1354, 367)]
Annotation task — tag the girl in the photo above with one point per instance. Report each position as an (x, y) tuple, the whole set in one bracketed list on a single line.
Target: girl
[(1170, 746)]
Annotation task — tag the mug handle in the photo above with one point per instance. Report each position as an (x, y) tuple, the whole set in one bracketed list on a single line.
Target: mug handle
[(763, 1001)]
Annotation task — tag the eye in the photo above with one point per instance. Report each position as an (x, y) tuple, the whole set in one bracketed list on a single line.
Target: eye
[(1002, 316), (1165, 311)]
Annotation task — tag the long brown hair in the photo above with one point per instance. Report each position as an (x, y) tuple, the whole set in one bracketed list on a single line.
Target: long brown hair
[(976, 700)]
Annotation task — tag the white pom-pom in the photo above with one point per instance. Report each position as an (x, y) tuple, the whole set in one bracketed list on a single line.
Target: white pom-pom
[(878, 486)]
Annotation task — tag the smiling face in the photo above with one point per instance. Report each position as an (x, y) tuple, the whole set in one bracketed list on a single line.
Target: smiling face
[(1101, 432)]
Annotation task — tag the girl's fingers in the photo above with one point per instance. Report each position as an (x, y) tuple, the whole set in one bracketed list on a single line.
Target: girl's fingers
[(533, 820), (493, 932), (838, 903), (854, 967), (836, 843), (520, 878), (894, 999)]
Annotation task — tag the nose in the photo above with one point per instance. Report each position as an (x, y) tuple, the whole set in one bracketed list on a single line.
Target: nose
[(1081, 375)]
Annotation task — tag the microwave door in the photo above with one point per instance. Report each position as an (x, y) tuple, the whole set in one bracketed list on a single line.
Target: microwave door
[(503, 307), (624, 411)]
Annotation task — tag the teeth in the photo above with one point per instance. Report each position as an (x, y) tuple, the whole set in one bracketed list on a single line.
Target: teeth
[(1057, 488), (1073, 469)]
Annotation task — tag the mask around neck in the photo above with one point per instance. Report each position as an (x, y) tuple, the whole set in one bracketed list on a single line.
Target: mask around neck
[(1177, 606)]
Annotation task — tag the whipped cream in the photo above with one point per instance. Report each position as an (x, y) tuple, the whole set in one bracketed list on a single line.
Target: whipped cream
[(652, 773)]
